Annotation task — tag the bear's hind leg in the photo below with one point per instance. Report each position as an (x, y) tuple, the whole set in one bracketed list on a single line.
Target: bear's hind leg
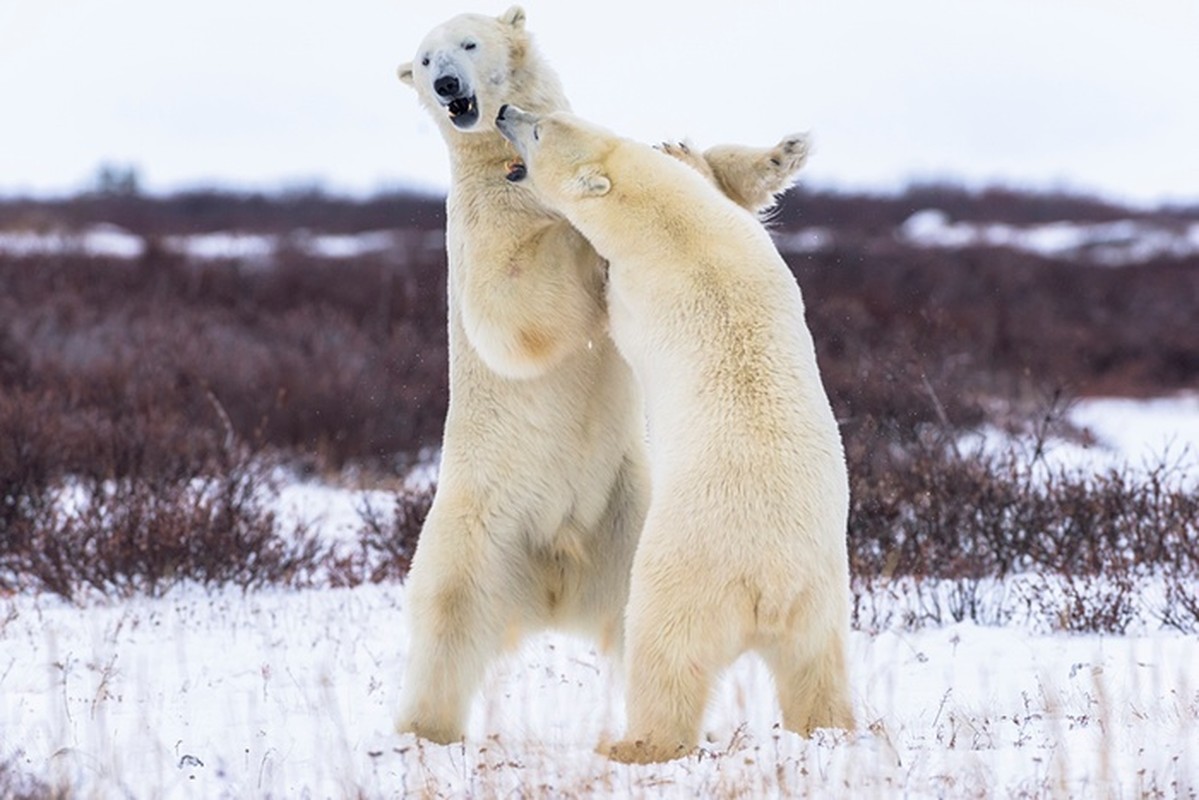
[(458, 623), (812, 683), (445, 666), (675, 648)]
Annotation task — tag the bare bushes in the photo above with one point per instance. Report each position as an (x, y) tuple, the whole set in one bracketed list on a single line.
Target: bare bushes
[(131, 388), (335, 362), (142, 524), (993, 537), (131, 536), (113, 511), (386, 542)]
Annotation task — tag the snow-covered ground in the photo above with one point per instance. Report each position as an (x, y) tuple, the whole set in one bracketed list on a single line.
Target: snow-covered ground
[(1141, 433), (291, 694), (1121, 434)]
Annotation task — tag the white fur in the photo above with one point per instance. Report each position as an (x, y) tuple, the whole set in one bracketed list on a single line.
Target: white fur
[(744, 544), (544, 482)]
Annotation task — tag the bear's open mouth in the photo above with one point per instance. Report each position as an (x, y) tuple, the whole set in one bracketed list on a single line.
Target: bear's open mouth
[(464, 111)]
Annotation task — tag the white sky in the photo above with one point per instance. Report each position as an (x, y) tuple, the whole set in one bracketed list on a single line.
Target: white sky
[(1090, 95)]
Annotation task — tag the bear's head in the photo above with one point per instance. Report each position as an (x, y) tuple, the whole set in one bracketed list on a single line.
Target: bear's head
[(464, 67), (566, 156)]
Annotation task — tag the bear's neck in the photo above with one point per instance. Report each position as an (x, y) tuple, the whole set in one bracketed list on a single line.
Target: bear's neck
[(479, 154)]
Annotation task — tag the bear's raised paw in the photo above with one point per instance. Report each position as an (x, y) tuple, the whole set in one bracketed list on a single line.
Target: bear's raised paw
[(791, 153)]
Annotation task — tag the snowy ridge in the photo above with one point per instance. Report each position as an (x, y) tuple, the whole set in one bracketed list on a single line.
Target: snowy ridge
[(1107, 244), (111, 241), (104, 240), (1118, 243)]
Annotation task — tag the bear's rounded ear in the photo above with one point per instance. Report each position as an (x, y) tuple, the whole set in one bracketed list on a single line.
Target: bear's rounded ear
[(404, 73), (590, 182), (515, 17)]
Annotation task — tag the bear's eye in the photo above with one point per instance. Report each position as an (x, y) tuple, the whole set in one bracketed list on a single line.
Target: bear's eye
[(468, 45), (537, 133), (424, 62)]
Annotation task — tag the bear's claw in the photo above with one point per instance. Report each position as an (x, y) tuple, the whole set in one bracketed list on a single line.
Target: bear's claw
[(437, 734), (796, 147)]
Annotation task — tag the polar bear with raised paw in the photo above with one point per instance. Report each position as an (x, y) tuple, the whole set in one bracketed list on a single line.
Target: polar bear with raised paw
[(544, 484), (744, 544)]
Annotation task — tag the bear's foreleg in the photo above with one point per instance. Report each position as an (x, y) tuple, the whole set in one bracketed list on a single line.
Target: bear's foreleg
[(752, 177), (529, 305), (684, 151)]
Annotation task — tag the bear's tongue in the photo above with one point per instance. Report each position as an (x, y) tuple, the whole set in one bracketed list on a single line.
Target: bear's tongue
[(463, 105)]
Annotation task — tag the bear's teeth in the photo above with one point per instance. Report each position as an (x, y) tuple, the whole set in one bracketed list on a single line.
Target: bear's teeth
[(463, 105)]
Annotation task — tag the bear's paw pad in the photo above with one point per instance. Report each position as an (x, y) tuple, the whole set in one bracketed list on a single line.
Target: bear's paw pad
[(792, 151), (639, 751)]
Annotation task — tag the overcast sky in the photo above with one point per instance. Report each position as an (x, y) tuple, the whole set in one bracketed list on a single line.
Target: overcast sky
[(1087, 95)]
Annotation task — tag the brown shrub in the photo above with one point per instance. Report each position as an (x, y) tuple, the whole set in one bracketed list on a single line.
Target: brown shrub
[(342, 362), (935, 516), (129, 380), (385, 544), (144, 534)]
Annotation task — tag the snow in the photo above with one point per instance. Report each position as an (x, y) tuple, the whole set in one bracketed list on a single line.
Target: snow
[(1122, 433), (1142, 427), (110, 241), (113, 241), (102, 240), (1113, 244), (351, 245), (332, 510), (287, 693), (292, 693), (1142, 433), (238, 246)]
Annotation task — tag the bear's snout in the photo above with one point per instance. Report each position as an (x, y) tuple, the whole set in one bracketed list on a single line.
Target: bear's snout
[(447, 86), (515, 115), (508, 113), (514, 124)]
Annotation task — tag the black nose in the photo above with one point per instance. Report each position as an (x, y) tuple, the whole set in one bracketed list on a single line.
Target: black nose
[(503, 109), (446, 86)]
